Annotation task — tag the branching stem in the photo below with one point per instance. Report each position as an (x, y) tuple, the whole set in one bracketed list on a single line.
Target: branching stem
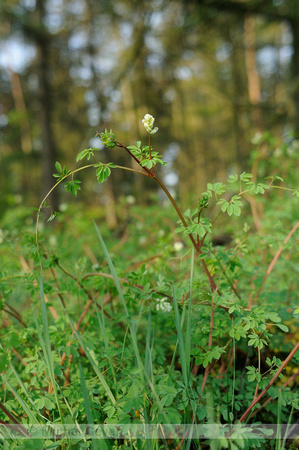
[(257, 399)]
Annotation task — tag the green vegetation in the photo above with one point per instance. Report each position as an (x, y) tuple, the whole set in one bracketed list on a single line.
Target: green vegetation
[(181, 318), (139, 292)]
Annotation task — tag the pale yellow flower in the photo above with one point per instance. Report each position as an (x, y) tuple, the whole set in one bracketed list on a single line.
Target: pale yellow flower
[(148, 123)]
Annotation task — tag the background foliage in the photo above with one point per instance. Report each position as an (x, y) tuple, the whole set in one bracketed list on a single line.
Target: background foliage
[(214, 73)]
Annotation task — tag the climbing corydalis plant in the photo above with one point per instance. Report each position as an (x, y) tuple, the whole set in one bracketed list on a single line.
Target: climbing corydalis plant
[(191, 223)]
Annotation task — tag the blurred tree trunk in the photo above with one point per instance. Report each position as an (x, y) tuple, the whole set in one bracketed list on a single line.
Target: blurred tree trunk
[(254, 88), (17, 93), (294, 23), (191, 163), (239, 91), (48, 153)]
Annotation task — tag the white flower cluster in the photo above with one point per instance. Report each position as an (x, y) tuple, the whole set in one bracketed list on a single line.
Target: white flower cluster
[(178, 246), (148, 123), (130, 199), (163, 305), (257, 138)]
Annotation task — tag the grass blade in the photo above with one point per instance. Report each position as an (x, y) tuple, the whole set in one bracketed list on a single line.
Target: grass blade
[(287, 428), (101, 321), (31, 416), (118, 287), (180, 339), (188, 328), (112, 270), (25, 391), (132, 328), (148, 353), (44, 338)]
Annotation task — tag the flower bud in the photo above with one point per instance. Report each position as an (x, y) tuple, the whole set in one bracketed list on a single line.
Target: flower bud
[(148, 123)]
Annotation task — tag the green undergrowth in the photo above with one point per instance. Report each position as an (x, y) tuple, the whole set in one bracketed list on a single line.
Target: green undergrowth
[(123, 328)]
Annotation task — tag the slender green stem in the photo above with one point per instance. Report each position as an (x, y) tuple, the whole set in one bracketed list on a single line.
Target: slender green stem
[(259, 371), (72, 173), (78, 170), (149, 146), (11, 276), (283, 188), (150, 153)]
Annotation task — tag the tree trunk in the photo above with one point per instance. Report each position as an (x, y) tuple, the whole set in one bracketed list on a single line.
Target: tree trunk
[(48, 153), (17, 93), (295, 67), (254, 88)]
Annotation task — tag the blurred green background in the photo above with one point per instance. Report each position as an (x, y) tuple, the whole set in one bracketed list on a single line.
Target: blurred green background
[(213, 73)]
